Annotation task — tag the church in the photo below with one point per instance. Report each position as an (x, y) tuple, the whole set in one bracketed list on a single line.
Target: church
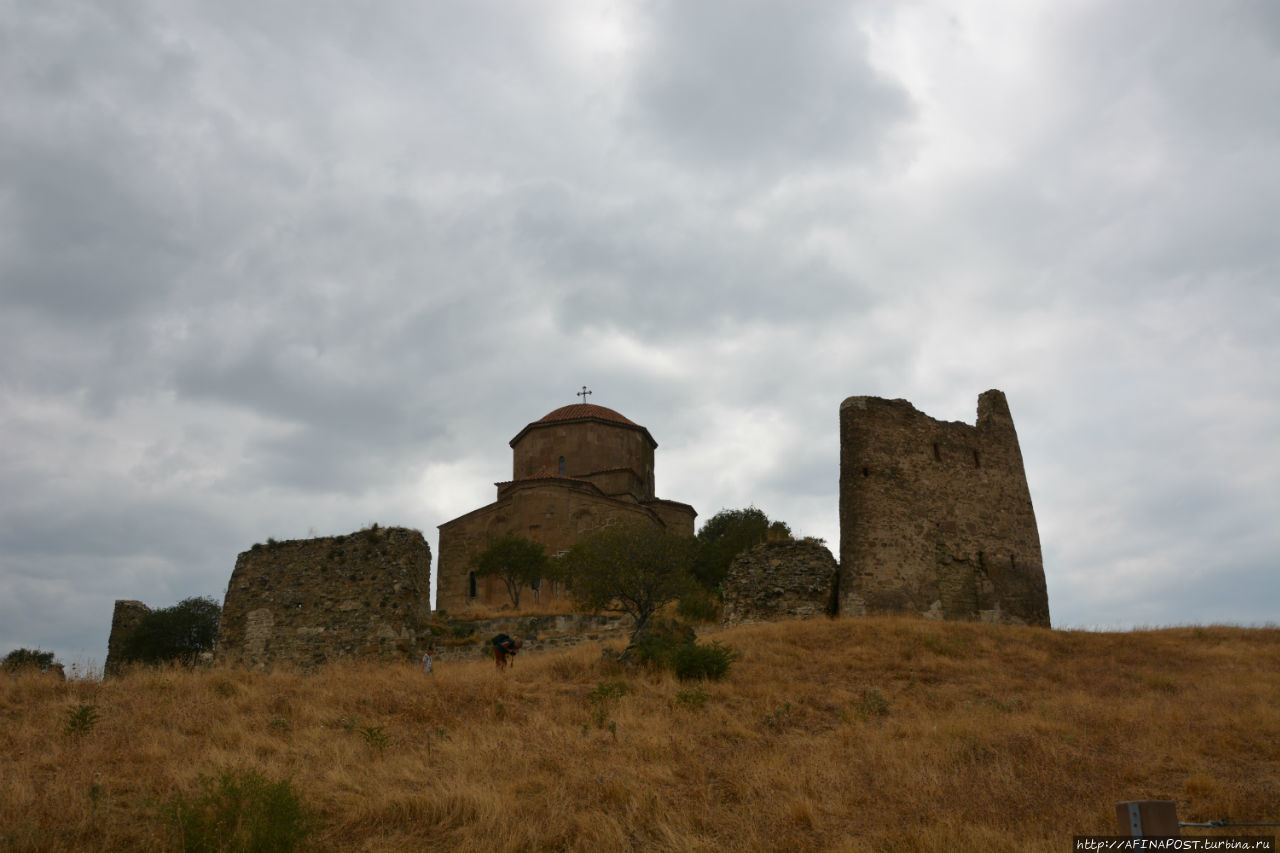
[(576, 469)]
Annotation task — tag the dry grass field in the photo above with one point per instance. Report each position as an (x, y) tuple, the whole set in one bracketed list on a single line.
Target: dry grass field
[(847, 735)]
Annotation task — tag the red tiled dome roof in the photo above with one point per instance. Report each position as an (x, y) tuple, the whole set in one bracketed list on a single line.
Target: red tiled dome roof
[(584, 410)]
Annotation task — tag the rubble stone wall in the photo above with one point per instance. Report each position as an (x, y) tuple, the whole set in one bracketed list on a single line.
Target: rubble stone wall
[(781, 580), (307, 601)]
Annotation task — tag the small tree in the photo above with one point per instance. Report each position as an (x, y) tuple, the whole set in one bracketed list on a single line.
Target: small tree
[(27, 658), (726, 535), (518, 561), (633, 568), (179, 633)]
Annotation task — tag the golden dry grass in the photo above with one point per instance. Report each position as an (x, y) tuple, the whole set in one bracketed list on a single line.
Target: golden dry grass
[(848, 735)]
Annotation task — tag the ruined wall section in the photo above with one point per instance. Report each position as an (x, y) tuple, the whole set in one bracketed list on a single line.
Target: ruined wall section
[(307, 601), (936, 517), (124, 619), (781, 580)]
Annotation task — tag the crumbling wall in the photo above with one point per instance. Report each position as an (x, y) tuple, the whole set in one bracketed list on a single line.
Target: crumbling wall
[(307, 601), (781, 580), (124, 619), (469, 639), (936, 517)]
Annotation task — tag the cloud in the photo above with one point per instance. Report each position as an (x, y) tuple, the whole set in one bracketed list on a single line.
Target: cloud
[(760, 88), (266, 270)]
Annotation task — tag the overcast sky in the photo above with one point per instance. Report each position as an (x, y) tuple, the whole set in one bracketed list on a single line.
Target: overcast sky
[(286, 269)]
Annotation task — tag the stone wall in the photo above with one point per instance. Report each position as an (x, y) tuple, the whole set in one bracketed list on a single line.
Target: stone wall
[(470, 639), (781, 580), (307, 601), (936, 517), (124, 619)]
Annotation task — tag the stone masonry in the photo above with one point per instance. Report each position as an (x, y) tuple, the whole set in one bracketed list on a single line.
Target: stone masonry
[(936, 517), (124, 619), (781, 580), (307, 601)]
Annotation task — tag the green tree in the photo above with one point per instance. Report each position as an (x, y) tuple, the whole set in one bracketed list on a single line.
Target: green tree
[(726, 535), (24, 658), (518, 561), (178, 633), (633, 568)]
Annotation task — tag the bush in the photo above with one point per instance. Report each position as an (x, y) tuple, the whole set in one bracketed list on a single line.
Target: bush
[(80, 720), (697, 661), (692, 697), (871, 703), (603, 698), (241, 811), (726, 535), (179, 633), (657, 642), (698, 607), (27, 658)]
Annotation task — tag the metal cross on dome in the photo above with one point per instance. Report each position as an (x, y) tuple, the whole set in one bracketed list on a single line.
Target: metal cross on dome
[(583, 393)]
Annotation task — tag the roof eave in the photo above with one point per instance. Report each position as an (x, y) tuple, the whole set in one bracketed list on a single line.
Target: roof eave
[(603, 421)]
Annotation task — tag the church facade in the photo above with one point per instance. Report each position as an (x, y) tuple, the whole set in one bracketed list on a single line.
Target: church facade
[(575, 470)]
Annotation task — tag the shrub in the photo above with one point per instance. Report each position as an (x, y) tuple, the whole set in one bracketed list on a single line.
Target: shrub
[(27, 658), (698, 607), (601, 700), (375, 738), (871, 703), (656, 644), (779, 717), (692, 697), (241, 811), (697, 661), (80, 720), (726, 535), (179, 633)]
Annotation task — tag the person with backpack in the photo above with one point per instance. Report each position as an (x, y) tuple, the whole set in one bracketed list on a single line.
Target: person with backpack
[(504, 650)]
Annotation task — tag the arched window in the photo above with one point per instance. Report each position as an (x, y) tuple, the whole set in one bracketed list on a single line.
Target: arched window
[(561, 466)]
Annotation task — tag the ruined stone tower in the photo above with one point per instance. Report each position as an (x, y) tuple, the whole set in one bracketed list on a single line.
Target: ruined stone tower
[(936, 517), (126, 617)]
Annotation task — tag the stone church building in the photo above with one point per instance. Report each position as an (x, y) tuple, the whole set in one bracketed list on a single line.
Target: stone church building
[(576, 469)]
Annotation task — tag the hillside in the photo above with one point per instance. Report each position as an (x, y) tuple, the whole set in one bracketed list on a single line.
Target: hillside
[(857, 735)]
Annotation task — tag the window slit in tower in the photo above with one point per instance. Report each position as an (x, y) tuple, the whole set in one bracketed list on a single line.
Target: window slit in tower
[(471, 585), (937, 454), (977, 463), (561, 466)]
